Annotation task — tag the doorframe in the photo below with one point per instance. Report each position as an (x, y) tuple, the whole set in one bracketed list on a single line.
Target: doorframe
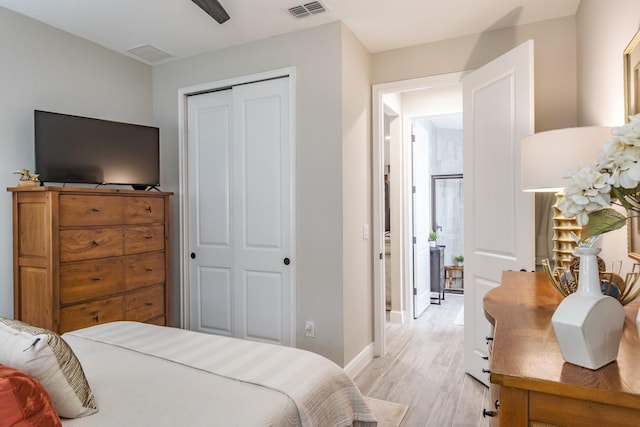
[(183, 184), (377, 108)]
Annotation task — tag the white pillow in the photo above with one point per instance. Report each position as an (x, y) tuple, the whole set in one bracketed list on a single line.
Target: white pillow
[(44, 355)]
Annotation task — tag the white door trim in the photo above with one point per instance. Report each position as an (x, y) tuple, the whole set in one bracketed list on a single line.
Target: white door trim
[(378, 91), (183, 184)]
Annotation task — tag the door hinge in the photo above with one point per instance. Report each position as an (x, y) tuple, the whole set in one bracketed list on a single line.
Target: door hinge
[(413, 137), (414, 240), (415, 291), (380, 255), (413, 189)]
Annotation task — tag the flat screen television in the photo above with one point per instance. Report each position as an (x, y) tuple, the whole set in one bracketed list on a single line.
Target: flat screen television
[(74, 149)]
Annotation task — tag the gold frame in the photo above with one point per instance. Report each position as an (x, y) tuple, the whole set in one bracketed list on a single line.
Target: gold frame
[(631, 60), (633, 236)]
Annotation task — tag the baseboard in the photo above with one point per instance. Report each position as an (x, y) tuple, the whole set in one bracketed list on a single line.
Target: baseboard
[(396, 317), (358, 363)]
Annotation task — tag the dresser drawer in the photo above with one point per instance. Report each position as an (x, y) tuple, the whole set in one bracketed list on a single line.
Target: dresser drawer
[(92, 243), (143, 239), (77, 210), (91, 313), (145, 269), (90, 279), (145, 304), (144, 210)]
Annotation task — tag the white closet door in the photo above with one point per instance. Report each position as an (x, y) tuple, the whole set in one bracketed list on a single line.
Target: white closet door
[(262, 210), (210, 143), (240, 204)]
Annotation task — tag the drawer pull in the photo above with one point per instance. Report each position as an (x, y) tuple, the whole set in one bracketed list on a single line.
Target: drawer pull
[(149, 269), (94, 243), (95, 210), (95, 279), (496, 403), (96, 318), (486, 371), (486, 413), (488, 338), (148, 209), (149, 304), (148, 237), (485, 357)]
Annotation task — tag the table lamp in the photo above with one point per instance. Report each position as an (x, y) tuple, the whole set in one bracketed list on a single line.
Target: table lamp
[(545, 159)]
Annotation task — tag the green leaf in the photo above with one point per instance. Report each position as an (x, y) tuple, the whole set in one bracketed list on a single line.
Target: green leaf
[(603, 221), (625, 196)]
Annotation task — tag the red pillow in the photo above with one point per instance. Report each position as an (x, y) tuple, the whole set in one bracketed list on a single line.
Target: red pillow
[(25, 403)]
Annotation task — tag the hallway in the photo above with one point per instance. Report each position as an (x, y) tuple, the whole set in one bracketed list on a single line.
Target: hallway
[(423, 368)]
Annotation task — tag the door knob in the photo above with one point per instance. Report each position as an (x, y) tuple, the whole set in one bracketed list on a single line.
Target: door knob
[(286, 261), (193, 255), (486, 413)]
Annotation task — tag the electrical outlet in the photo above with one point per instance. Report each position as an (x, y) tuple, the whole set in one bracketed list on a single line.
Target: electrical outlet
[(310, 329)]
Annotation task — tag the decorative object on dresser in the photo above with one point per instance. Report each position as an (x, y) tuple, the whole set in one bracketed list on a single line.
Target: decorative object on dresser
[(546, 156), (27, 179), (587, 323), (530, 380), (88, 256), (614, 179)]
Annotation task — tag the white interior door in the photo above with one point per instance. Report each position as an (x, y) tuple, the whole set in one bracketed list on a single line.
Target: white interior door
[(421, 220), (240, 212), (499, 217)]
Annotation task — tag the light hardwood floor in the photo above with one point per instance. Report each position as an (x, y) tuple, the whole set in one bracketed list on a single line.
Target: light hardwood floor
[(423, 368)]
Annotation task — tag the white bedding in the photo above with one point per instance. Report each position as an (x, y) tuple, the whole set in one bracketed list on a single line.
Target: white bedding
[(145, 375)]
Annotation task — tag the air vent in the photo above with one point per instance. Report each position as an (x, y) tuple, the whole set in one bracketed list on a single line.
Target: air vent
[(149, 53), (307, 9)]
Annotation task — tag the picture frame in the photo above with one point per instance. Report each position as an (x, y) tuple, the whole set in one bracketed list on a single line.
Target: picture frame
[(633, 236), (631, 64)]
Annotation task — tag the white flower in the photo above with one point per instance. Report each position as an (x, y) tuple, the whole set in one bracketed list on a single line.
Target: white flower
[(617, 171), (588, 191)]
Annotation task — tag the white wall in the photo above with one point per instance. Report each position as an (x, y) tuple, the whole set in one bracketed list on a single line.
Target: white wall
[(316, 54), (604, 30), (356, 196), (554, 64), (48, 69)]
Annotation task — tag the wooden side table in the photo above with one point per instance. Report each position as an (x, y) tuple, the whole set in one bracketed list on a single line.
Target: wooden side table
[(454, 275)]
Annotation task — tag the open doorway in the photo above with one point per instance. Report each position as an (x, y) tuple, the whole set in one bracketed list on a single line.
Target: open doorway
[(396, 105)]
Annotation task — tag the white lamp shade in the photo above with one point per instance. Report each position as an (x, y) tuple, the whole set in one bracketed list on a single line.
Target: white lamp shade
[(548, 156)]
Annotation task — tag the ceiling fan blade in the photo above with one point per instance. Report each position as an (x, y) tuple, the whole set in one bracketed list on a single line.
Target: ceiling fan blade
[(214, 9)]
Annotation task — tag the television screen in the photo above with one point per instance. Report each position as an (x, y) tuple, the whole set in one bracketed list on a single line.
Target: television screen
[(74, 149)]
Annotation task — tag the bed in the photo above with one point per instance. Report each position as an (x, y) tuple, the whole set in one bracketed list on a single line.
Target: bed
[(147, 375)]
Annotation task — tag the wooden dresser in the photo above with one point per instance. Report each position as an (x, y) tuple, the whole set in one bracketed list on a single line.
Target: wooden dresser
[(89, 256), (530, 381)]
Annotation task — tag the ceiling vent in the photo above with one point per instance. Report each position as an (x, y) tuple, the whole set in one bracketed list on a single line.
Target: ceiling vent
[(149, 53), (307, 9)]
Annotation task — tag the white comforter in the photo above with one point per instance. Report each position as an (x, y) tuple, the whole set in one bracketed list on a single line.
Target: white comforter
[(145, 375)]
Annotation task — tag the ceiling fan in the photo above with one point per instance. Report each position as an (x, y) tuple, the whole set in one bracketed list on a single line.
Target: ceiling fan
[(214, 9)]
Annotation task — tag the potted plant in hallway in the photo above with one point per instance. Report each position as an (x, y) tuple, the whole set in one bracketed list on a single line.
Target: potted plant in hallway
[(459, 259), (433, 236)]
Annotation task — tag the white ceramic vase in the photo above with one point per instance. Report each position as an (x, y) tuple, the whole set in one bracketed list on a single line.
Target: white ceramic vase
[(587, 323)]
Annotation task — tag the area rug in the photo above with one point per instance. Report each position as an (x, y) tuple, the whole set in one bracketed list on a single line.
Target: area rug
[(460, 317), (389, 414)]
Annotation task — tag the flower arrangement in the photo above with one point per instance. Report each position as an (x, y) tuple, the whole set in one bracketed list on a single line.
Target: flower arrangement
[(613, 179)]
